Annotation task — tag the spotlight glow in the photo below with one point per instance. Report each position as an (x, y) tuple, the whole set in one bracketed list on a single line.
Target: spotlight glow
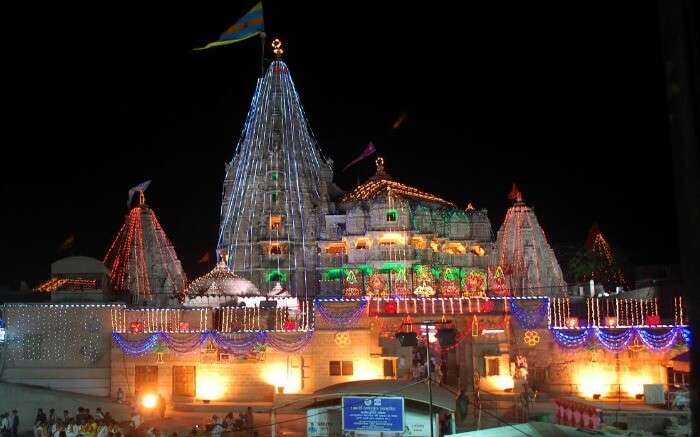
[(149, 400)]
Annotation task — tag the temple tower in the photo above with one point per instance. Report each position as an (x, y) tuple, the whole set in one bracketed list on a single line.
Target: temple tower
[(276, 190), (142, 261), (529, 263)]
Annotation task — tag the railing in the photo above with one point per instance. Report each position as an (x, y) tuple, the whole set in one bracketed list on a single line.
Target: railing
[(358, 256)]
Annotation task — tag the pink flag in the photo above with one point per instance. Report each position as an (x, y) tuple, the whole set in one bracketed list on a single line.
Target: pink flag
[(365, 153)]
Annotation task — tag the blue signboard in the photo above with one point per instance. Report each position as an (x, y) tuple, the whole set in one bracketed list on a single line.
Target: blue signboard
[(373, 413)]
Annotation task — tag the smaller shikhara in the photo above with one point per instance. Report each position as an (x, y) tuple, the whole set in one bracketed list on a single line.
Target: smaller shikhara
[(142, 261)]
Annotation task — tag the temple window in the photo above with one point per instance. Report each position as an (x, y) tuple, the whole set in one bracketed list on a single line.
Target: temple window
[(492, 366), (362, 243), (454, 248), (274, 175), (340, 368), (273, 197), (418, 243), (392, 215), (336, 249), (477, 250), (275, 249), (275, 222)]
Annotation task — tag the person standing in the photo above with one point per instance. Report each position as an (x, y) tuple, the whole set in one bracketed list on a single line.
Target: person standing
[(40, 416), (249, 421), (4, 425), (14, 424), (161, 405), (462, 407)]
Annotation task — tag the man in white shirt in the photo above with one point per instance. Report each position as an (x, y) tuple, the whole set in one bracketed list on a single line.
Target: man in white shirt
[(103, 431), (98, 414), (136, 419)]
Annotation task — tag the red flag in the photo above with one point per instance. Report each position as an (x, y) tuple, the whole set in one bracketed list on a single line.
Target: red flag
[(365, 153), (399, 120), (204, 258), (515, 194), (68, 243)]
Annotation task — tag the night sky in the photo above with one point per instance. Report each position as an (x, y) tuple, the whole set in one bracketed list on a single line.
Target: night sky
[(565, 100)]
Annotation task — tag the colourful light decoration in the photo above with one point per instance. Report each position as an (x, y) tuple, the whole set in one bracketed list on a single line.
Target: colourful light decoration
[(142, 250), (513, 253), (234, 343), (476, 283), (531, 338), (54, 284), (290, 325), (390, 307), (653, 319), (529, 318), (286, 146), (619, 341), (276, 275), (382, 183), (376, 285), (608, 273), (183, 326), (351, 285), (343, 320), (136, 327), (487, 306), (497, 282)]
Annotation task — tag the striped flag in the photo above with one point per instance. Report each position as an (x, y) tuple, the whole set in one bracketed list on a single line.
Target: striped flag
[(369, 149), (247, 26)]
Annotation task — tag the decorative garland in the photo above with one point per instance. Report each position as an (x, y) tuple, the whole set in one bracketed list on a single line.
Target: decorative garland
[(238, 343), (529, 318), (343, 320), (619, 341)]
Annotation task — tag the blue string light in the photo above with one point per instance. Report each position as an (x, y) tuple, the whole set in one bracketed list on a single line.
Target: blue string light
[(529, 318), (238, 343), (342, 320)]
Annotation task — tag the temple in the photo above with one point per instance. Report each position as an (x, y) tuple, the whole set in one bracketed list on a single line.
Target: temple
[(315, 290)]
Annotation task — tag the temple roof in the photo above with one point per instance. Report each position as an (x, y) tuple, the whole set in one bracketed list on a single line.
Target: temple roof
[(383, 183), (221, 282)]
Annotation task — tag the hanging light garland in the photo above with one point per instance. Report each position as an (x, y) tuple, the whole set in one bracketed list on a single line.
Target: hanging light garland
[(529, 318), (621, 340), (342, 320), (236, 343)]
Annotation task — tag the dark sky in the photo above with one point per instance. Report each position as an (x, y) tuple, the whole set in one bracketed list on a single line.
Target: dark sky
[(565, 99)]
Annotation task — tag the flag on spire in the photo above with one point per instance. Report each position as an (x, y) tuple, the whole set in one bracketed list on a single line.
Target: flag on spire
[(365, 153), (515, 194), (140, 187), (247, 26), (204, 258)]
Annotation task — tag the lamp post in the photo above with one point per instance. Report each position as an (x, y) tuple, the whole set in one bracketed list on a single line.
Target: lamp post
[(427, 324)]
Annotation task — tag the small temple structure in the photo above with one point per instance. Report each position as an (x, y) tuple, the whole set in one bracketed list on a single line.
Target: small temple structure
[(142, 261)]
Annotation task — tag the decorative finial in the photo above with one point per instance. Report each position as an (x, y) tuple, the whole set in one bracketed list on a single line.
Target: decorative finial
[(470, 207), (142, 198), (277, 47), (380, 164)]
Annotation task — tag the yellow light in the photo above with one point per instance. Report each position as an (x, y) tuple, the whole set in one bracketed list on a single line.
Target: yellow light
[(498, 382), (392, 237), (209, 386), (592, 378), (276, 374), (149, 400), (364, 370)]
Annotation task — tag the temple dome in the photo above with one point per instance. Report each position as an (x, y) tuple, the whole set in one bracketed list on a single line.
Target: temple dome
[(221, 282)]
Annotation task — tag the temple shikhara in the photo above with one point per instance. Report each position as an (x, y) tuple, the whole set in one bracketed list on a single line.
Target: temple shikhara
[(312, 284)]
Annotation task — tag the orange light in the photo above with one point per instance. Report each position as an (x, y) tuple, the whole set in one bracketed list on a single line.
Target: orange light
[(149, 400), (210, 386)]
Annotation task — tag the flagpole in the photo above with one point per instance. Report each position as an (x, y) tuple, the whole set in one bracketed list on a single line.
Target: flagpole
[(262, 53)]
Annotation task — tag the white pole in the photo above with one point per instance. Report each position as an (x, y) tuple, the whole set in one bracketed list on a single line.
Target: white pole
[(592, 285)]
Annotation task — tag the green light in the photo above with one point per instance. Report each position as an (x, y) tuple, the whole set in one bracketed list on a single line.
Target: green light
[(392, 215), (276, 276)]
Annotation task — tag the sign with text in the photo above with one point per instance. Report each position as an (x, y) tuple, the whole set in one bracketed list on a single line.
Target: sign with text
[(373, 413)]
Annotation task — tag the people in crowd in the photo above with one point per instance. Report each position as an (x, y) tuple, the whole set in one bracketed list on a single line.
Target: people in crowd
[(40, 416), (5, 425), (52, 417), (72, 429), (66, 416), (120, 396), (14, 423), (98, 414), (462, 407)]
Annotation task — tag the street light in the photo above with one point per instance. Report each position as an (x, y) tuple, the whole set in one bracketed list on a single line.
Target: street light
[(446, 337)]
